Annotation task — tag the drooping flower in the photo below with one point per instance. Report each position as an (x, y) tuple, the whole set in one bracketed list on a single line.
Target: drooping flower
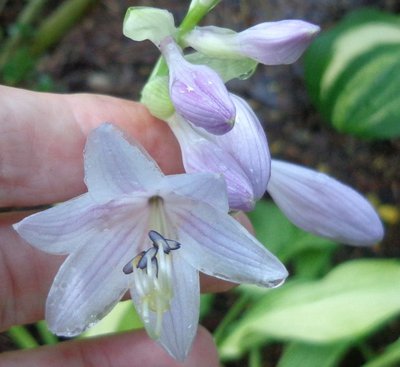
[(324, 206), (241, 155), (270, 43), (140, 230), (197, 92)]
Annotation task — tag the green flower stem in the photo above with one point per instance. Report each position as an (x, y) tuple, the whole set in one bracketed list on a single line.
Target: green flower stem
[(192, 18), (22, 337), (58, 23), (255, 357), (45, 334), (232, 314)]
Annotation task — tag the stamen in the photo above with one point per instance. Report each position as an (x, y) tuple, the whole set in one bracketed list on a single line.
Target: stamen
[(152, 269), (160, 241), (128, 268)]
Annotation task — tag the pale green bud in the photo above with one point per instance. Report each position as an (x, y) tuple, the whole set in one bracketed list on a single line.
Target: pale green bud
[(155, 95)]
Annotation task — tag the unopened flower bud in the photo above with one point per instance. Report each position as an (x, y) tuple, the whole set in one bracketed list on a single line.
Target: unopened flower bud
[(241, 155), (197, 92), (323, 206), (155, 96), (270, 43)]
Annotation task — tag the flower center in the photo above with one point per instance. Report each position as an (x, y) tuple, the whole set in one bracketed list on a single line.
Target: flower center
[(152, 268)]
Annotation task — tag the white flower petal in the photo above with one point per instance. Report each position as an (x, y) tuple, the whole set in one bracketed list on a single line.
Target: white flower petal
[(216, 244), (63, 228), (179, 323), (91, 280), (114, 166), (324, 206), (207, 187)]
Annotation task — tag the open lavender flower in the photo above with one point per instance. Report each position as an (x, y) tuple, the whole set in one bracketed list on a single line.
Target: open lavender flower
[(140, 230), (322, 205), (270, 43), (241, 155), (197, 92)]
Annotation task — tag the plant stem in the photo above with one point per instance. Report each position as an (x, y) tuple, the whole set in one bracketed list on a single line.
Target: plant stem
[(255, 357), (46, 335), (58, 23), (28, 15), (232, 314), (192, 18), (22, 337)]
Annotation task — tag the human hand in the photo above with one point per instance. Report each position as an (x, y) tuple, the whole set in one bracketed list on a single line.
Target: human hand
[(41, 143)]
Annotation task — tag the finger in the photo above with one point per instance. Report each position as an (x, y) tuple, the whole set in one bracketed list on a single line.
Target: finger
[(42, 138), (28, 273), (129, 349)]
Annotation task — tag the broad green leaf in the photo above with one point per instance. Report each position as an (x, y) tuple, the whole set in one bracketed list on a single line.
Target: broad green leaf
[(311, 355), (367, 99), (352, 301), (228, 69), (389, 358), (288, 242), (123, 317), (351, 74)]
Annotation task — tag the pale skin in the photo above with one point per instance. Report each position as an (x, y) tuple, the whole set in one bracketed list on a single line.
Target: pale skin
[(41, 143)]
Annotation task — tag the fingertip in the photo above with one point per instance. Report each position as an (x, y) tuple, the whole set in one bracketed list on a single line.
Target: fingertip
[(204, 351)]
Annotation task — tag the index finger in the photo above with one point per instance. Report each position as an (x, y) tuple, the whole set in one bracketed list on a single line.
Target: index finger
[(42, 137)]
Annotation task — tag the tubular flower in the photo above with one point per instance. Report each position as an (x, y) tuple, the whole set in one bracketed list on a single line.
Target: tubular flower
[(197, 92), (241, 155), (270, 43), (140, 230), (322, 205)]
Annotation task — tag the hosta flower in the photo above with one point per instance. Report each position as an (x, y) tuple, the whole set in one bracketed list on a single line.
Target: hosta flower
[(322, 205), (270, 43), (241, 155), (140, 230), (197, 92)]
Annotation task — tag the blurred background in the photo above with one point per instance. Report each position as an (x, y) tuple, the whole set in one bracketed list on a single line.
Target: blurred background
[(77, 46)]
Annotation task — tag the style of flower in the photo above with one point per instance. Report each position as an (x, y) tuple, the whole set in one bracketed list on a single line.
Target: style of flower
[(241, 155), (197, 92), (269, 43), (140, 230)]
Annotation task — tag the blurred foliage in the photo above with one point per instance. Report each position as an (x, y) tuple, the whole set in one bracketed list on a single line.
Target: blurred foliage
[(352, 74), (31, 35)]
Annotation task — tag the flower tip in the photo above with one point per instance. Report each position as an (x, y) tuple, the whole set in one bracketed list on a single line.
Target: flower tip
[(373, 234)]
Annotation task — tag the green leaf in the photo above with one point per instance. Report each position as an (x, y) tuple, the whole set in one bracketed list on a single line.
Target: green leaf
[(367, 102), (389, 358), (228, 69), (123, 317), (352, 301), (288, 242), (311, 355), (351, 74), (206, 303)]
